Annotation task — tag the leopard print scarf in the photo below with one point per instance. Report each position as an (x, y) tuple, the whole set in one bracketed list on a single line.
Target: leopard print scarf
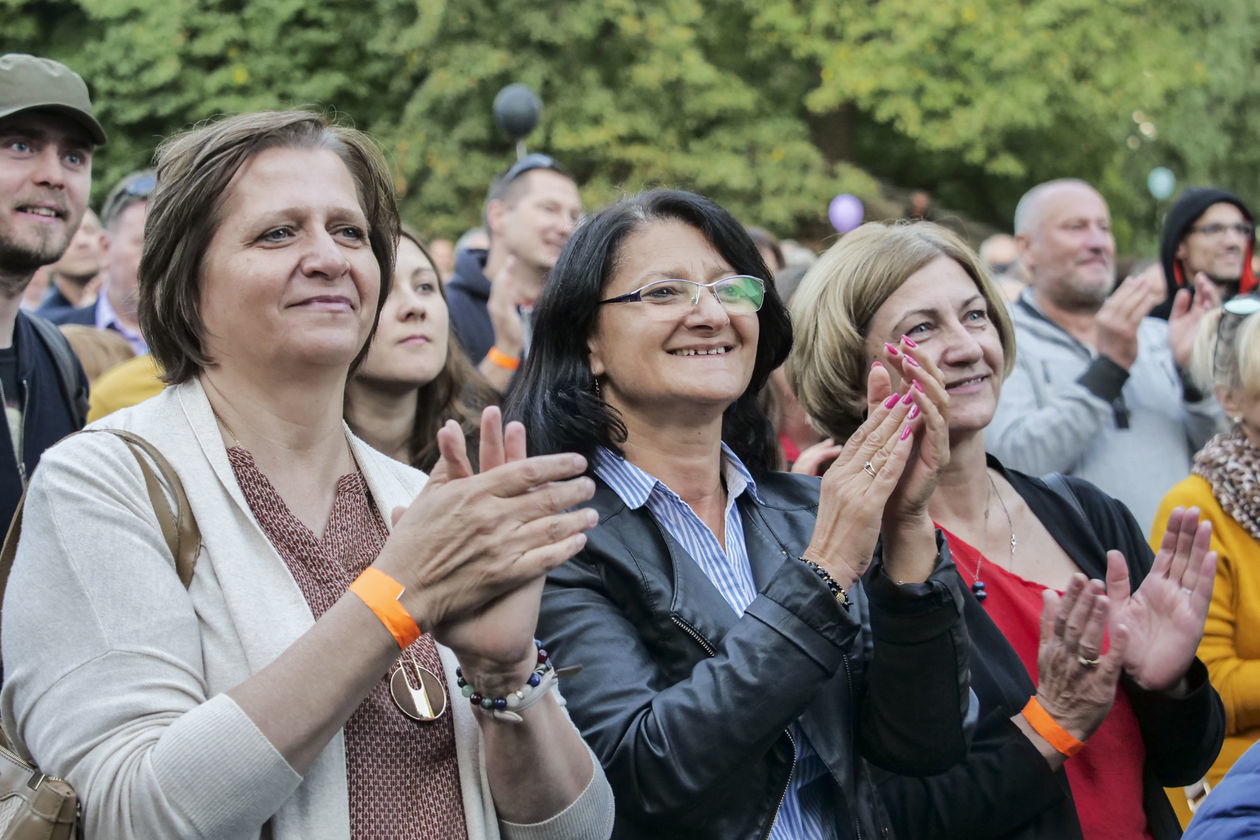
[(1230, 463)]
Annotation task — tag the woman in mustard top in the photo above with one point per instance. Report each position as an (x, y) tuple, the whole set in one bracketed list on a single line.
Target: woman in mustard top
[(1225, 485)]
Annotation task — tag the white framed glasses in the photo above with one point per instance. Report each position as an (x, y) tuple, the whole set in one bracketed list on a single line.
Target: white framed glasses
[(739, 294)]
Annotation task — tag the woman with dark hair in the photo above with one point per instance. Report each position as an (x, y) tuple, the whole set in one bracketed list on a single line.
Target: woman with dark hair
[(304, 682), (741, 649), (414, 378), (1075, 748)]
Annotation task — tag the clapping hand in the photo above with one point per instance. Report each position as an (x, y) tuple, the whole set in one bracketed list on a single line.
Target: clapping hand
[(507, 530), (1076, 682), (1165, 616)]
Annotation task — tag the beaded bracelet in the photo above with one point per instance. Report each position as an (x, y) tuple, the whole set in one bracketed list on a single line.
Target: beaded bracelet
[(833, 586), (509, 708)]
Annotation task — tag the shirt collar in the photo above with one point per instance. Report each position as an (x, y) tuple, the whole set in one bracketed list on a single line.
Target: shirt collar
[(634, 485)]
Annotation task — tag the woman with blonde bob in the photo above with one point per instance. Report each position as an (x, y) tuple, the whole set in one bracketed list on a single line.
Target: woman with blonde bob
[(1224, 483), (913, 294), (304, 684)]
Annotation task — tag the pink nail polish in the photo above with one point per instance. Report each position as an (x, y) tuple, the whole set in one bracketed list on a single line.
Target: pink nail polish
[(905, 432), (914, 412), (892, 351), (891, 401), (916, 384), (910, 361), (908, 342), (876, 364), (908, 398)]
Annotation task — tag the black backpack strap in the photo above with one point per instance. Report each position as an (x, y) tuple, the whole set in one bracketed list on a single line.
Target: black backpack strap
[(73, 388)]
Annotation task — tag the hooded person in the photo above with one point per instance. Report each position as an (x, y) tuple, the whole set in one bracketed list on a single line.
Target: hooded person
[(1211, 231)]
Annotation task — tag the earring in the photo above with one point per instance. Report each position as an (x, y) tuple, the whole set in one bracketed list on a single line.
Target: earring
[(1236, 419), (595, 379)]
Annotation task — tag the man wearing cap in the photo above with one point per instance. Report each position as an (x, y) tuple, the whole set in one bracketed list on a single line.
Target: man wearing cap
[(529, 214), (47, 135), (1211, 232), (116, 307)]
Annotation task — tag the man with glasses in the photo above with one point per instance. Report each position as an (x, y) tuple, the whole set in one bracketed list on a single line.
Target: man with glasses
[(1097, 390), (47, 136), (529, 213), (122, 217), (1209, 232)]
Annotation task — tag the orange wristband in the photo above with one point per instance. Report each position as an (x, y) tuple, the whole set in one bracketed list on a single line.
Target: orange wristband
[(503, 360), (1045, 726), (381, 593)]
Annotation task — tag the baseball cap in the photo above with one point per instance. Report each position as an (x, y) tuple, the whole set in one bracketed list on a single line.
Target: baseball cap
[(31, 83)]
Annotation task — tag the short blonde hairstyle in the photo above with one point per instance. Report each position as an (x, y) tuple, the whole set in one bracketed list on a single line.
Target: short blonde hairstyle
[(1227, 355), (840, 294)]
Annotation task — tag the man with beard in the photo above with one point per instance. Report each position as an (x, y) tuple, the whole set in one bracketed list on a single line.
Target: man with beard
[(47, 134), (1097, 389), (529, 214), (1209, 232)]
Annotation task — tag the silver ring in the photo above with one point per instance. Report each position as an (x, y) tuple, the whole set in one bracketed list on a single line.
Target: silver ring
[(868, 469), (1088, 663)]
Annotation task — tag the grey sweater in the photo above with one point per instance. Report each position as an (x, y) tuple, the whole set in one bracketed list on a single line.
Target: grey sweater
[(1066, 409)]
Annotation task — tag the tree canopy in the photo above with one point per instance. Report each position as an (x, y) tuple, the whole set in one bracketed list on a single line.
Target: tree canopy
[(771, 107)]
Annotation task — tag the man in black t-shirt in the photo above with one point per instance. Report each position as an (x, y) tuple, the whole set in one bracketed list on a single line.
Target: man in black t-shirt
[(47, 136)]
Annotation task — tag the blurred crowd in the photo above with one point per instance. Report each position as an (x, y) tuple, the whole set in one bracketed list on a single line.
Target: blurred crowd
[(900, 539)]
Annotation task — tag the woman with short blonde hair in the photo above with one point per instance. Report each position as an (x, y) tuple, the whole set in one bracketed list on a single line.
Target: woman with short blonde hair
[(888, 299)]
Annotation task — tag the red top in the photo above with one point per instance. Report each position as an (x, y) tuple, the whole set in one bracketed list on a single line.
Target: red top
[(1106, 775)]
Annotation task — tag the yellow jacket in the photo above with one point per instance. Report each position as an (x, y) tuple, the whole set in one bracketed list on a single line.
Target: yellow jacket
[(1231, 637)]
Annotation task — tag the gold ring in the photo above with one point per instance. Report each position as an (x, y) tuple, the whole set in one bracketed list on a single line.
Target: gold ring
[(1088, 663), (868, 469)]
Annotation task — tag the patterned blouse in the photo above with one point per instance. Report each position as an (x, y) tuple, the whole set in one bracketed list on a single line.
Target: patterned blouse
[(402, 774)]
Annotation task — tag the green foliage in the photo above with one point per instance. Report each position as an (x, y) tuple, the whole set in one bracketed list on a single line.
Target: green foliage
[(769, 106)]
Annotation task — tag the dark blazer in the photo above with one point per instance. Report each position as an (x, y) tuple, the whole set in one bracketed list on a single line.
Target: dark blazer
[(1005, 789), (85, 315), (687, 704)]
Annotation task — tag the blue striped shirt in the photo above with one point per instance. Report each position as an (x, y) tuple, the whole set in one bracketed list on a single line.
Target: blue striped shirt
[(808, 810)]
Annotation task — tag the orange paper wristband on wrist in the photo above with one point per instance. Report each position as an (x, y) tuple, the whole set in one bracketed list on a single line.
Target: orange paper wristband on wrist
[(381, 593), (503, 360), (1045, 726)]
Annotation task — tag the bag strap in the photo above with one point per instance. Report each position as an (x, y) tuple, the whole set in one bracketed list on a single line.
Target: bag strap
[(73, 390), (179, 529)]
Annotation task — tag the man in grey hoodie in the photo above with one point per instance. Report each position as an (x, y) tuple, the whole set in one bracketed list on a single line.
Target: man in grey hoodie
[(1097, 390)]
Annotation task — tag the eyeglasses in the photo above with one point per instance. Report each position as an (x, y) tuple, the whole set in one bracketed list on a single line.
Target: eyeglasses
[(1243, 229), (1234, 311), (530, 162), (739, 294)]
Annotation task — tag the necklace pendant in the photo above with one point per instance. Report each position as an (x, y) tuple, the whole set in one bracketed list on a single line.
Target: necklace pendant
[(977, 589), (417, 692)]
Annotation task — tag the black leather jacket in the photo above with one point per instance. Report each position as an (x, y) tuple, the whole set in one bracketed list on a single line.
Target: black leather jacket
[(687, 704)]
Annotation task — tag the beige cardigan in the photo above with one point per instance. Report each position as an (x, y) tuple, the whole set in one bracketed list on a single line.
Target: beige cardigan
[(115, 674)]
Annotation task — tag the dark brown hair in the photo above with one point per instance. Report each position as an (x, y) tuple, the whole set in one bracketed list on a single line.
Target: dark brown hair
[(194, 173)]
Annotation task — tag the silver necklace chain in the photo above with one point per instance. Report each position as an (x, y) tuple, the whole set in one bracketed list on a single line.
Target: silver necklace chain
[(977, 585)]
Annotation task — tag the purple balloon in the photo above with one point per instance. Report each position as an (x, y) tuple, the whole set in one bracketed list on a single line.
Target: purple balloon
[(845, 212)]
